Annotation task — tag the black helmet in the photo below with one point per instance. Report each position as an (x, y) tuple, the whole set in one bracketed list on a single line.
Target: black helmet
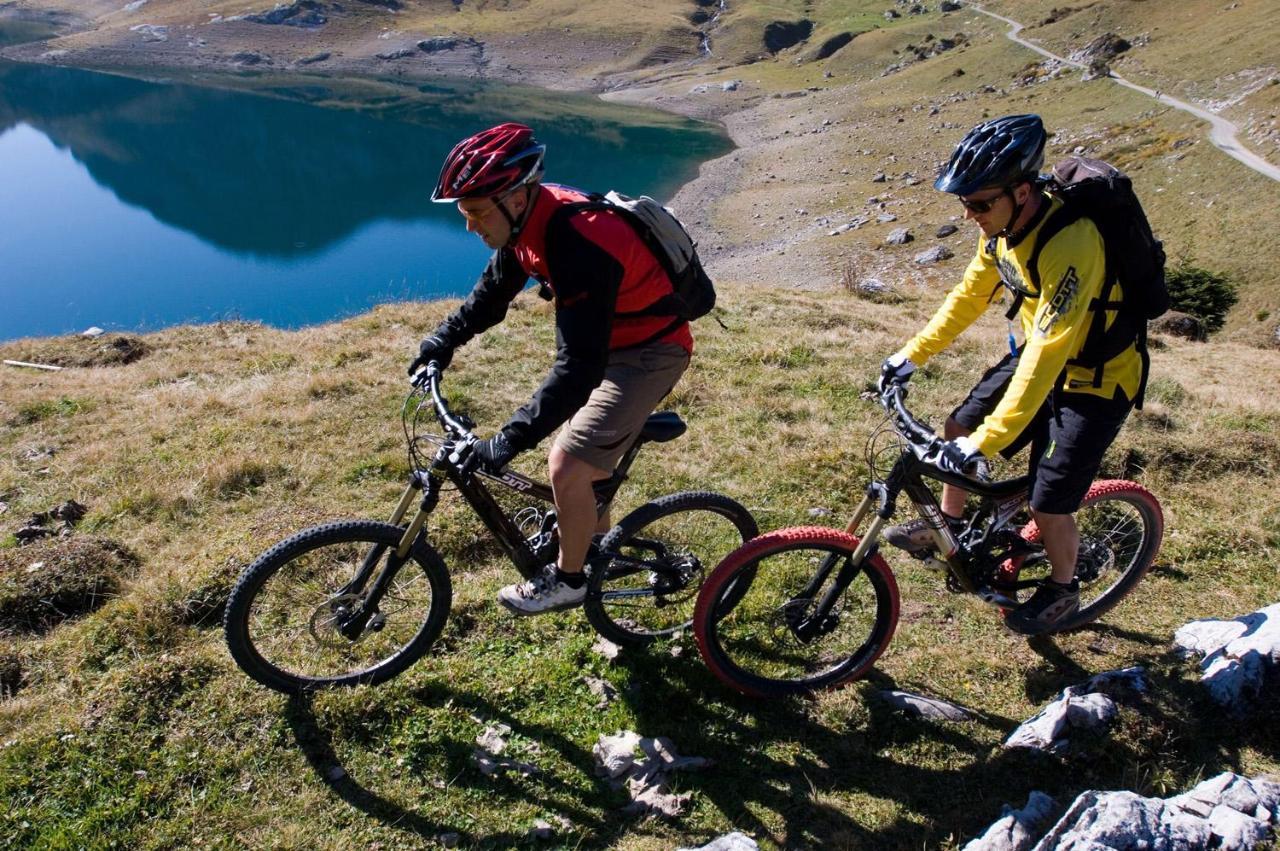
[(999, 152)]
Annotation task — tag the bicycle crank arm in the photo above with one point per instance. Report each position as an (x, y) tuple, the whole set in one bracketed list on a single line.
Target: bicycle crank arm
[(995, 598)]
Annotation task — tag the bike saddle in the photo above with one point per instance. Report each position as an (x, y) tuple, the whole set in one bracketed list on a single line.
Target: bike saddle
[(663, 426)]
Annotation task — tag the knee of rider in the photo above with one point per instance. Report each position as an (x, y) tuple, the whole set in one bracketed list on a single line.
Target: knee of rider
[(565, 470), (952, 429)]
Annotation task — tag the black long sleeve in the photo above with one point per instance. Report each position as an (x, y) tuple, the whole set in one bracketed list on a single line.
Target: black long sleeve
[(486, 306), (586, 279)]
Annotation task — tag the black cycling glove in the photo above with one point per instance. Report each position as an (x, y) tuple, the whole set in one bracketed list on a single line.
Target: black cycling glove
[(492, 455), (434, 348)]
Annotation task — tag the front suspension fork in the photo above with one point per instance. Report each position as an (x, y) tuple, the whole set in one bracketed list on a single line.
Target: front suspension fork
[(429, 485)]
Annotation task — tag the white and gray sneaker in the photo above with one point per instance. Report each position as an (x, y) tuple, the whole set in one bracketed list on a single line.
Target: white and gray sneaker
[(542, 593)]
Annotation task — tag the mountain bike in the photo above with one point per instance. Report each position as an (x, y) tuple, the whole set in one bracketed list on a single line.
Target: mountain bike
[(358, 601), (808, 608)]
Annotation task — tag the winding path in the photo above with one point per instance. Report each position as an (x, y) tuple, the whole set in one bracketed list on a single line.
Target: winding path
[(1222, 133)]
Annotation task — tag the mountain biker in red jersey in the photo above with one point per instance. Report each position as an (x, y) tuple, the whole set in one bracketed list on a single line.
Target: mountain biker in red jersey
[(1040, 393), (615, 359)]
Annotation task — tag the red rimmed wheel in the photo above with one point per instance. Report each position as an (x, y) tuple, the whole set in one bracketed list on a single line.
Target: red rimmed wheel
[(1121, 528), (762, 630)]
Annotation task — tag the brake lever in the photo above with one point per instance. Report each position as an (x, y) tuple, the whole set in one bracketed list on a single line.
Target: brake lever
[(468, 441)]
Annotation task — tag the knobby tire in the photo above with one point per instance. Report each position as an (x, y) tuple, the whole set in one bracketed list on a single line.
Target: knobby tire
[(290, 665), (746, 641)]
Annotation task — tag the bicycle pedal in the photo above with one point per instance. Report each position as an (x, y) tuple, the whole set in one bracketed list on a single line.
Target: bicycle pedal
[(993, 597)]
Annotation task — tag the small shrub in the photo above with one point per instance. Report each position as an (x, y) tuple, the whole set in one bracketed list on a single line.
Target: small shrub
[(199, 601), (328, 387), (106, 350), (388, 469), (1166, 391), (49, 581), (269, 363), (1203, 294), (237, 477), (150, 690)]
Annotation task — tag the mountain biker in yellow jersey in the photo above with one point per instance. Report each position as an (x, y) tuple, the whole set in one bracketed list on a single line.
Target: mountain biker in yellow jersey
[(617, 353), (1038, 394)]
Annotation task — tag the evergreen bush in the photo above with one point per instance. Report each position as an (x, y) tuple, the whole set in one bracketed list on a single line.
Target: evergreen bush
[(1203, 294)]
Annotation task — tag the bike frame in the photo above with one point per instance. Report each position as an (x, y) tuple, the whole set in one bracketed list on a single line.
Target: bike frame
[(475, 490), (477, 494), (1001, 501)]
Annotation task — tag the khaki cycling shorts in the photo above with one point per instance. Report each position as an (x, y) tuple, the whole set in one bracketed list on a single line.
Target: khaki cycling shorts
[(635, 381)]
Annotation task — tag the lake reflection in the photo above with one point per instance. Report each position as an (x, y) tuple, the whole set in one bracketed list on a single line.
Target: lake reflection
[(133, 204)]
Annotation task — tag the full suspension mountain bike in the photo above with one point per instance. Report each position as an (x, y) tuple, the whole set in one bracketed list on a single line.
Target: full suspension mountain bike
[(808, 608), (358, 601)]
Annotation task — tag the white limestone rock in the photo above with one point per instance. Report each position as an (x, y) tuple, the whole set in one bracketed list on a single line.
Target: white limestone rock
[(1227, 811), (1051, 727), (735, 841), (1083, 706), (1017, 830), (645, 774), (1241, 656), (925, 707)]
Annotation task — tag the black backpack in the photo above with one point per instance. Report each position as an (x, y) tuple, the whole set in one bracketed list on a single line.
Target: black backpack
[(1100, 192), (693, 293)]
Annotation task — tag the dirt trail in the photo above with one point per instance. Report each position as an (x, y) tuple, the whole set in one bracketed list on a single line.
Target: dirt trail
[(1222, 133)]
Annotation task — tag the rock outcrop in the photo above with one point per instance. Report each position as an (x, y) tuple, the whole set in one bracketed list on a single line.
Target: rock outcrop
[(1080, 707), (1227, 811), (1241, 657), (307, 14), (780, 35)]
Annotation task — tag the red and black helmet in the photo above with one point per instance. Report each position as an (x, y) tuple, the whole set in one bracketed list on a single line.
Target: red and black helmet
[(490, 163)]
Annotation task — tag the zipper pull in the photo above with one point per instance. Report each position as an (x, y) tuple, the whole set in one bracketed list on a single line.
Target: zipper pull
[(1013, 341)]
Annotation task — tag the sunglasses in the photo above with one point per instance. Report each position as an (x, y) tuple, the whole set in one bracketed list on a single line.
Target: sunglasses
[(477, 216), (984, 205)]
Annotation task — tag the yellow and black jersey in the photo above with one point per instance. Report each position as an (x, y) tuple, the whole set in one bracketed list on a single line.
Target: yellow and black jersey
[(1055, 322)]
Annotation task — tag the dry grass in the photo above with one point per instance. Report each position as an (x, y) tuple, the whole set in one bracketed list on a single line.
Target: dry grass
[(197, 461), (132, 724)]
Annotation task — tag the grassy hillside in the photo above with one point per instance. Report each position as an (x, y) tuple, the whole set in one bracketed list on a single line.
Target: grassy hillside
[(131, 723)]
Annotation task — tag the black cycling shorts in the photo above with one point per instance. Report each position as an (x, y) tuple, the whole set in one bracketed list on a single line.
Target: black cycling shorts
[(1068, 436)]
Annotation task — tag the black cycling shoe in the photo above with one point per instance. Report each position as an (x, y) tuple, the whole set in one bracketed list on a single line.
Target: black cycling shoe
[(1048, 608)]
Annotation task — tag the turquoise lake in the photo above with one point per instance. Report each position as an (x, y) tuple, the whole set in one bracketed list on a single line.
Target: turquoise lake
[(136, 204)]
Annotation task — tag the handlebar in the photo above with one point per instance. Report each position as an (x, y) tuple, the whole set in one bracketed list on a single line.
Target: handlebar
[(920, 437), (456, 427)]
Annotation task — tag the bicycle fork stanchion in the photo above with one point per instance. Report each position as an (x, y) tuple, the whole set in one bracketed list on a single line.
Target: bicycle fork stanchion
[(354, 625), (429, 483)]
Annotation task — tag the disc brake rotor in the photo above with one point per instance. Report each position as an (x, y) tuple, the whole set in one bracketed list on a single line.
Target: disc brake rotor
[(1095, 558), (327, 619)]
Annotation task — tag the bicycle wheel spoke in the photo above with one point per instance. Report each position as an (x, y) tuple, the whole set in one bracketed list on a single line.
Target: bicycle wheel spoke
[(761, 632), (655, 560)]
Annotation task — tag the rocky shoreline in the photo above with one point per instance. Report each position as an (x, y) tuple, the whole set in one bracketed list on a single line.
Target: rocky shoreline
[(559, 61)]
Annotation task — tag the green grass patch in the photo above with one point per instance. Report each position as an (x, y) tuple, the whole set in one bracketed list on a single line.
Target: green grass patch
[(49, 409)]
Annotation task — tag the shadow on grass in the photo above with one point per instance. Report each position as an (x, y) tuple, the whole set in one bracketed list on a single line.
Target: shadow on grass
[(805, 775), (317, 745), (781, 773)]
